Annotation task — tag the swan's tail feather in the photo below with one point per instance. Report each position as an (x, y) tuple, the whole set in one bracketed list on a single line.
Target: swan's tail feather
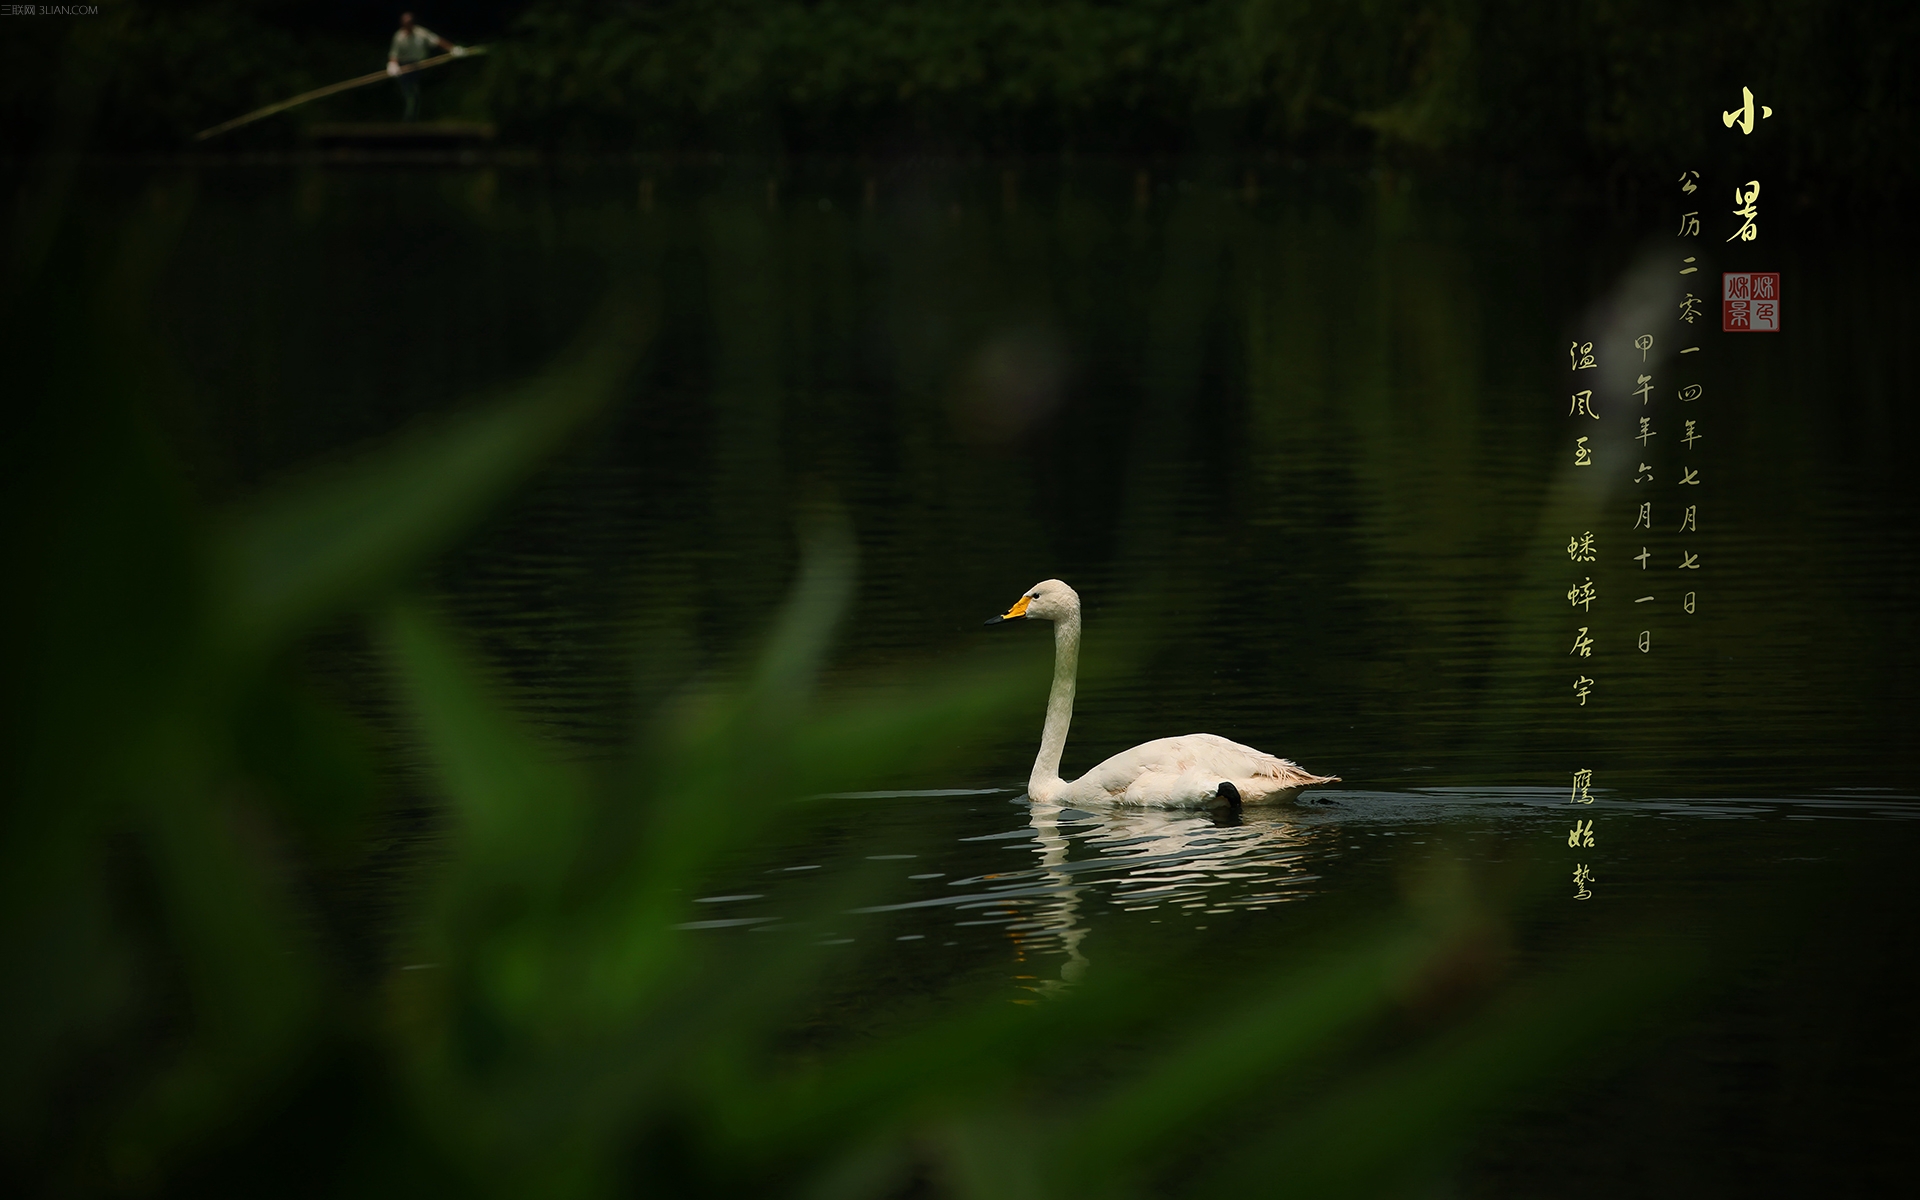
[(1291, 775)]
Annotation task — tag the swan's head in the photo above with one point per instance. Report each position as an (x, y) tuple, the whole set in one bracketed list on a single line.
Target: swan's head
[(1048, 600)]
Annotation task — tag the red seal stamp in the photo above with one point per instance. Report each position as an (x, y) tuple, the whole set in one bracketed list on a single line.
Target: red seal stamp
[(1750, 302)]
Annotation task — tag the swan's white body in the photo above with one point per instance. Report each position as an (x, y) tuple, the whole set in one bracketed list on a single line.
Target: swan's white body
[(1175, 772)]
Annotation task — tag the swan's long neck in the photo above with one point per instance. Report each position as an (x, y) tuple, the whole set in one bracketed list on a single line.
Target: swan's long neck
[(1045, 779)]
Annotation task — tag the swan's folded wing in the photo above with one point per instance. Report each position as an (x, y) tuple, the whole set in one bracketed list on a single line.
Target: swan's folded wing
[(1158, 789), (1200, 753), (1196, 754), (1162, 756), (1254, 764)]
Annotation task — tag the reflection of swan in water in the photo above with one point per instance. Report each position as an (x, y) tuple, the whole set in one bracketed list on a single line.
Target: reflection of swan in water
[(1181, 863), (1196, 770), (1059, 915)]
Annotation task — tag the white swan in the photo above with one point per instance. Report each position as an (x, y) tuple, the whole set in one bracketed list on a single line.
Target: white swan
[(1199, 769)]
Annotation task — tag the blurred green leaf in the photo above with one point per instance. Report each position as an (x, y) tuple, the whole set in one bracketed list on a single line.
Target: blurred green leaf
[(331, 539), (515, 812), (312, 764), (1417, 1111)]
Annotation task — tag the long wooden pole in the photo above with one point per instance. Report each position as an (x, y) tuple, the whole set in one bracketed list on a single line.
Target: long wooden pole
[(331, 89)]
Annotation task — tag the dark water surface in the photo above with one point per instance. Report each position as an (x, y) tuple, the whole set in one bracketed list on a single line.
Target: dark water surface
[(1302, 445)]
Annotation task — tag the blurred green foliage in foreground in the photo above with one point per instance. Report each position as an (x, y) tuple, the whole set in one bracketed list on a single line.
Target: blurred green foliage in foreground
[(178, 1021)]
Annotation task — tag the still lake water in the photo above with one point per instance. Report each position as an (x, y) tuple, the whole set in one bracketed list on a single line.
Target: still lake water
[(1302, 444)]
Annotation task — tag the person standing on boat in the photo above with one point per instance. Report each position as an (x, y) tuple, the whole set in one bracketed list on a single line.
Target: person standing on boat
[(410, 45)]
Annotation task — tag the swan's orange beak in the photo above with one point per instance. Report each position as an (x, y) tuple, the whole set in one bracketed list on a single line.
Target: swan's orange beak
[(1019, 609)]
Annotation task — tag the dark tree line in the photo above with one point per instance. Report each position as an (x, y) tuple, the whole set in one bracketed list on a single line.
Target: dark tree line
[(1612, 83)]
